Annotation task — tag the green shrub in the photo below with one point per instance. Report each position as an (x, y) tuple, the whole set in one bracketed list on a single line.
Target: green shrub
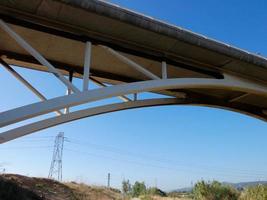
[(214, 191), (258, 192), (138, 189)]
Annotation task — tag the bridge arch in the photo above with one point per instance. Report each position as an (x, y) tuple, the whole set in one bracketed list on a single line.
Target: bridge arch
[(76, 115)]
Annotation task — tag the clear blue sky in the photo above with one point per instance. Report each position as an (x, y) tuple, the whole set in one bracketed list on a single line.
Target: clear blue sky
[(168, 146)]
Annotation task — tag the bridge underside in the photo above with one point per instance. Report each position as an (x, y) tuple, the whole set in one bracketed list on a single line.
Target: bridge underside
[(113, 48)]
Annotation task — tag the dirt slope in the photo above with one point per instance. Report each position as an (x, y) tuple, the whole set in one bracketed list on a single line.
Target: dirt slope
[(17, 187)]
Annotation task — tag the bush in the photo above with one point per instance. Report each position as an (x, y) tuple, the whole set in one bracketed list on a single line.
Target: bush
[(214, 191), (258, 192), (138, 189)]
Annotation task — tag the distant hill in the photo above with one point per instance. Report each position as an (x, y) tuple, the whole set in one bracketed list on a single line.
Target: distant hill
[(246, 184), (238, 186), (185, 189)]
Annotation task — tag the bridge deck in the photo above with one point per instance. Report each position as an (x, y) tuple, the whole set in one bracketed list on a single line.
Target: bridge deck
[(59, 28)]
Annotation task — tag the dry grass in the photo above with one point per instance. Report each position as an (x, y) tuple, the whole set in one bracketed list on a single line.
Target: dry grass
[(85, 192), (163, 198), (171, 198)]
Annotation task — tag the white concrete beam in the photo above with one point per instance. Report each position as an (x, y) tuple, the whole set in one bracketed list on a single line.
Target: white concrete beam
[(87, 63), (164, 70)]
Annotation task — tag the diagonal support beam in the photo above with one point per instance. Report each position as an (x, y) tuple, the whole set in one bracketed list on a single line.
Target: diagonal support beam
[(37, 55), (24, 82), (131, 63), (124, 98)]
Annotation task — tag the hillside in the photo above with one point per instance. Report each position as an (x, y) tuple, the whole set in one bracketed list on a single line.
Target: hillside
[(17, 187)]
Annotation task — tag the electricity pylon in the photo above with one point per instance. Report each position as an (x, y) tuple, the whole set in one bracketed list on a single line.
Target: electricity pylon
[(56, 164)]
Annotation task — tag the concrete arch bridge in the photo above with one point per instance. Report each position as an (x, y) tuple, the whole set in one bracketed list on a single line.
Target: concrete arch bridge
[(124, 53)]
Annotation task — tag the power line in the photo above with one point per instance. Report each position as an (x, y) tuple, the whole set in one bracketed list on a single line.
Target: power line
[(188, 167), (24, 147), (163, 160), (163, 167), (33, 138), (157, 159), (38, 137)]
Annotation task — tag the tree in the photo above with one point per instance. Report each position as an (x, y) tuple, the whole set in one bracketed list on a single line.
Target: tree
[(258, 192), (139, 188), (126, 187), (214, 191)]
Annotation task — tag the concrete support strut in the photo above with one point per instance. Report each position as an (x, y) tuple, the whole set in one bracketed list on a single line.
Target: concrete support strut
[(87, 63), (131, 63)]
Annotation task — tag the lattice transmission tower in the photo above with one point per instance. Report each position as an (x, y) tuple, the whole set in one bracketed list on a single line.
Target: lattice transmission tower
[(55, 171)]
